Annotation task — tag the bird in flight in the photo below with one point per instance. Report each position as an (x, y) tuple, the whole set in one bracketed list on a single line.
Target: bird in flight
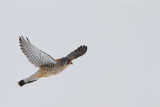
[(47, 65)]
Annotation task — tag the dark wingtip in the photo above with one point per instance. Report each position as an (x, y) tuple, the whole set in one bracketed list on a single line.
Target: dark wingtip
[(27, 39), (20, 38), (21, 83), (84, 48)]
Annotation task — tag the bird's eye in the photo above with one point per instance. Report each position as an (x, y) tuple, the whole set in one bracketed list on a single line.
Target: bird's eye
[(67, 62)]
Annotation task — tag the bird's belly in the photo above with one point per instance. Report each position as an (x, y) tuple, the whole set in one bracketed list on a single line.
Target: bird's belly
[(54, 71)]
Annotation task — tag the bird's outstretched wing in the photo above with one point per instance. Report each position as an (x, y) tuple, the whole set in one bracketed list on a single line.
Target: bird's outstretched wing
[(35, 55), (77, 53)]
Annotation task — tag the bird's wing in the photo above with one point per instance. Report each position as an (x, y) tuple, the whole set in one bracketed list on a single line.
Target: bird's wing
[(35, 55), (77, 53)]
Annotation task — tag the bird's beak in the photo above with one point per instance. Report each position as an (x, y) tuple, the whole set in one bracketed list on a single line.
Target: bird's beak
[(70, 62)]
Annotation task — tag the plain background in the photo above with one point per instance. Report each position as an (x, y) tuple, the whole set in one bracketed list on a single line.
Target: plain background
[(120, 69)]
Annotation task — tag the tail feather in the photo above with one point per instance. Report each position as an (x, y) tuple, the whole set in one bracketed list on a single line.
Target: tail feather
[(30, 79), (22, 82)]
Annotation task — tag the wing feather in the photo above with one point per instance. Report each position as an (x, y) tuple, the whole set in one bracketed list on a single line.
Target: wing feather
[(77, 53), (35, 55)]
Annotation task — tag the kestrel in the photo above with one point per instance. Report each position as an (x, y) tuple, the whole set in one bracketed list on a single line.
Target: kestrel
[(47, 65)]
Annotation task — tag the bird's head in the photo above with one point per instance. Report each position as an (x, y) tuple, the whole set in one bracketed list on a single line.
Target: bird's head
[(66, 61)]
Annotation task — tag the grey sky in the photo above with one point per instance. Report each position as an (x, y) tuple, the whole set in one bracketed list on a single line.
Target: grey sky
[(120, 69)]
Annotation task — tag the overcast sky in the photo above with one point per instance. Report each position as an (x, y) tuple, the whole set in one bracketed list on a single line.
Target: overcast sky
[(120, 69)]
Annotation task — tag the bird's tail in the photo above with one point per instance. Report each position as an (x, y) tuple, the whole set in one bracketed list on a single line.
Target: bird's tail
[(22, 82), (30, 79)]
